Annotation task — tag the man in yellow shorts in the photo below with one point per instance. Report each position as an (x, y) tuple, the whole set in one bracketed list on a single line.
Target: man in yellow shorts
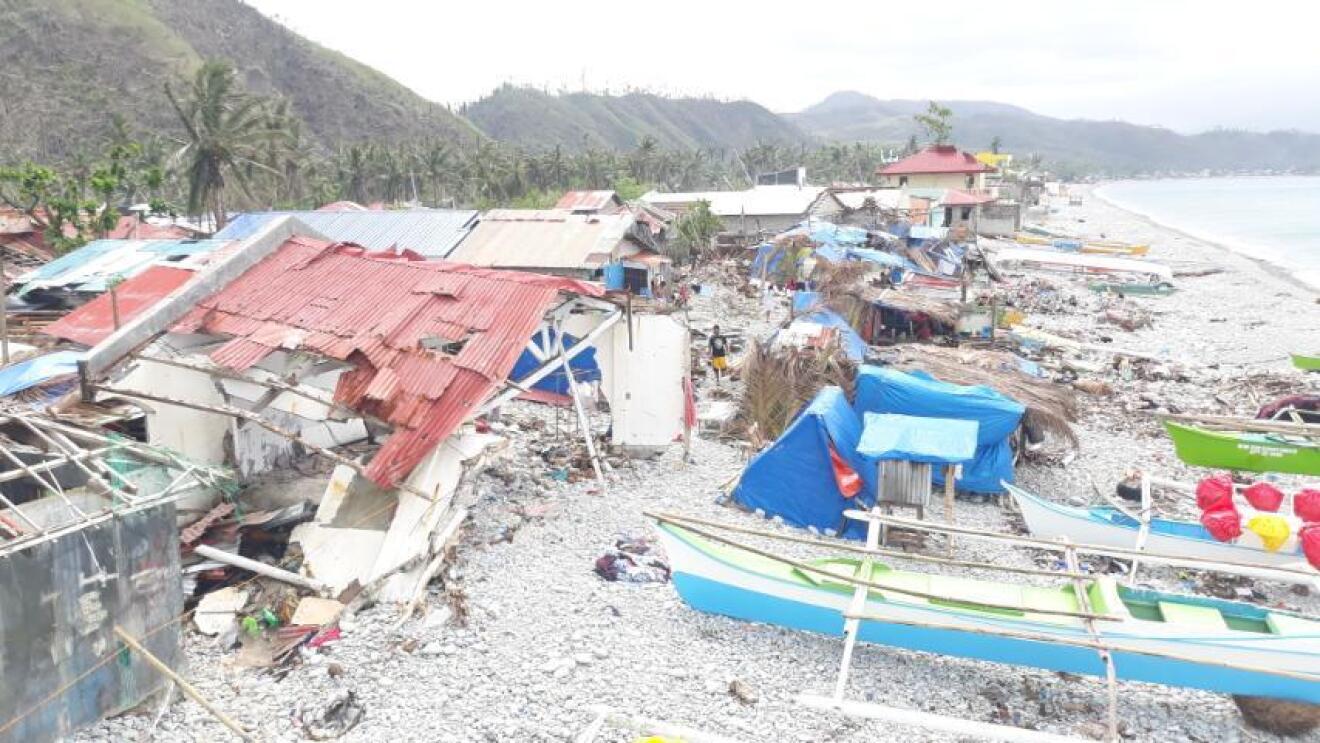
[(719, 351)]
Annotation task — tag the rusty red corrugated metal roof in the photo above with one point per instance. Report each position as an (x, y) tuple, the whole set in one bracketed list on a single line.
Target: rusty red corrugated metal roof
[(589, 201), (92, 322), (429, 341), (940, 158)]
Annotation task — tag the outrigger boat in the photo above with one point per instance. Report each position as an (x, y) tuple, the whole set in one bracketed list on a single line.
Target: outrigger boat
[(1151, 636), (1305, 361), (1077, 245), (1136, 289), (1112, 527), (1246, 444), (1054, 260)]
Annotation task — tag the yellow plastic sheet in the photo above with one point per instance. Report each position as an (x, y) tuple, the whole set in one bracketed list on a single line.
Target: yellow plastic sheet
[(1272, 530)]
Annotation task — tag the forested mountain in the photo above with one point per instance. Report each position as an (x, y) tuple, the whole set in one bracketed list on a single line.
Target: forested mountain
[(1073, 144), (68, 67), (576, 121)]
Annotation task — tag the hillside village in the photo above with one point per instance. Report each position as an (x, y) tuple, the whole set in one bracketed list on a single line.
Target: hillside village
[(697, 426)]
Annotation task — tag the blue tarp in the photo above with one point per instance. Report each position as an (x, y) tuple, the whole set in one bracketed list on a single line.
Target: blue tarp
[(880, 257), (805, 301), (766, 261), (852, 343), (32, 372), (915, 439), (585, 368), (794, 479), (881, 390)]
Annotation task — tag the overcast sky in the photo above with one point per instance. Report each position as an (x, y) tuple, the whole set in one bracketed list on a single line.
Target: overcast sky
[(1187, 65)]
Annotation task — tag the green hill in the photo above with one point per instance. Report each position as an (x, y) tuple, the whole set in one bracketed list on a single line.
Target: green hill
[(576, 121), (1075, 144), (69, 66)]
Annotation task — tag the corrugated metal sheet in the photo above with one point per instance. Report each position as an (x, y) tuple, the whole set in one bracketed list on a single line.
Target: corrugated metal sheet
[(589, 201), (375, 312), (88, 268), (92, 322), (761, 201), (542, 238), (907, 483), (430, 232)]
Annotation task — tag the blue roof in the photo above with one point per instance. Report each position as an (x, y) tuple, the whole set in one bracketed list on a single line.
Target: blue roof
[(433, 233), (915, 439), (34, 371), (88, 268)]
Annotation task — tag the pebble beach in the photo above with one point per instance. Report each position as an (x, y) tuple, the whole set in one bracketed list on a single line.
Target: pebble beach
[(525, 638)]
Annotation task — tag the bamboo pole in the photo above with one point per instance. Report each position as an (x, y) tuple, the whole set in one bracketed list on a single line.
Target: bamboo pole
[(260, 568), (949, 502), (1111, 677), (858, 603), (809, 568), (1277, 573), (69, 453), (184, 686), (1093, 645), (846, 547), (1245, 424), (241, 414)]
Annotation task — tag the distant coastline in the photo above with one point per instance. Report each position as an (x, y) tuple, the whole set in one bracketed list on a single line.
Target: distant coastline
[(1303, 277)]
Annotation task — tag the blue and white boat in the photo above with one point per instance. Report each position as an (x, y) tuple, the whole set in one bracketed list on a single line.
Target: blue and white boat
[(1106, 526), (1202, 643)]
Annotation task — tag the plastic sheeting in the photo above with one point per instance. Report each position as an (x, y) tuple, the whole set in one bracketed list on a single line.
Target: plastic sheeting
[(852, 343), (32, 372), (888, 436), (584, 366), (794, 478), (882, 390)]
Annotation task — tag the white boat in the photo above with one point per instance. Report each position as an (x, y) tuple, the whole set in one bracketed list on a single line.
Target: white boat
[(1109, 527), (1052, 260)]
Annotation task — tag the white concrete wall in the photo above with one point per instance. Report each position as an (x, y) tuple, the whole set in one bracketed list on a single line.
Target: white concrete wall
[(196, 435), (934, 180)]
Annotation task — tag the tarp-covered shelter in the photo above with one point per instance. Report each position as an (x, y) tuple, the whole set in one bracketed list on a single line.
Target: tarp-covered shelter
[(851, 342), (910, 438), (882, 390), (801, 478)]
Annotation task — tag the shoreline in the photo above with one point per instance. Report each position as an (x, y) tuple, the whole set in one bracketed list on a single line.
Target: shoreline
[(1276, 270)]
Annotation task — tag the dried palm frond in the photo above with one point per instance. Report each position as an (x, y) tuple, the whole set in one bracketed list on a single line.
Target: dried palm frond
[(778, 383), (1050, 407)]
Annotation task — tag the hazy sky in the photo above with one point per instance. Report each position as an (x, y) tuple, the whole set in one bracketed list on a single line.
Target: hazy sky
[(1186, 65)]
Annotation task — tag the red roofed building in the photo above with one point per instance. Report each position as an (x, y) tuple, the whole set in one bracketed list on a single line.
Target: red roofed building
[(937, 166), (427, 342)]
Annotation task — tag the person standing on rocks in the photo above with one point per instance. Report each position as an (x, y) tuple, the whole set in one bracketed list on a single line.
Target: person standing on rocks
[(719, 351)]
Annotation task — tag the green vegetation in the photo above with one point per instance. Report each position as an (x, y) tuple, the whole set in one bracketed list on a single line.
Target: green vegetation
[(936, 122), (694, 231)]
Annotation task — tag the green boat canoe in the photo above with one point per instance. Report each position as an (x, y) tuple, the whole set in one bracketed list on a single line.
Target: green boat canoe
[(1306, 362), (1162, 289), (1252, 452)]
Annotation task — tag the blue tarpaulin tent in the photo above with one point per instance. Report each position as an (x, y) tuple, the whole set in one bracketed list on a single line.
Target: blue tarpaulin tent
[(881, 390), (585, 368), (909, 438), (794, 478)]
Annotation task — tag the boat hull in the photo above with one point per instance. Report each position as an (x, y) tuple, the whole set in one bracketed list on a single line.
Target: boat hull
[(710, 584), (1052, 521), (1306, 363), (1238, 452)]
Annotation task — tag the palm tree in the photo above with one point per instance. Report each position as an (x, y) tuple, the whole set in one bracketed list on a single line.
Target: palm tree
[(226, 129)]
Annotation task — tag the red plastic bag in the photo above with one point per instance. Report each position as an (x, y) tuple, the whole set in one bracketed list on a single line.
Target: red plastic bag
[(1224, 525), (1309, 537), (1306, 504), (849, 482), (1264, 497), (1215, 493)]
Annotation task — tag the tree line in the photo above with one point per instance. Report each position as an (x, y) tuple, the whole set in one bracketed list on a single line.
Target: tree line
[(235, 151)]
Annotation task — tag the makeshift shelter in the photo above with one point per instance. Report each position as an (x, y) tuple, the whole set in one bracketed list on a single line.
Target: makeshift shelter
[(806, 329), (882, 390), (812, 473)]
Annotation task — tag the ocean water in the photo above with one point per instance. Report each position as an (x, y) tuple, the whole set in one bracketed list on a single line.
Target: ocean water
[(1273, 218)]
